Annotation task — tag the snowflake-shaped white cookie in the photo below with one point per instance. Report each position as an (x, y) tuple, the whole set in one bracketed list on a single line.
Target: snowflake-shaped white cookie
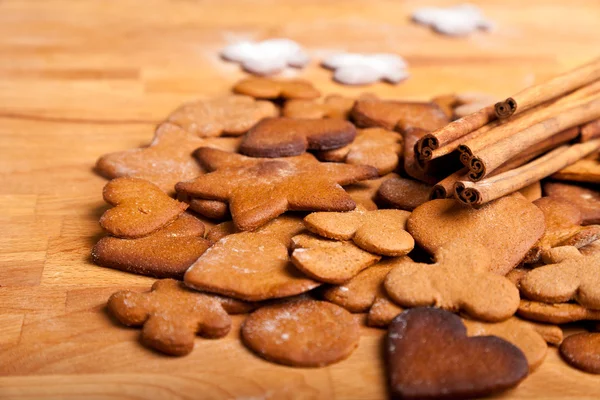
[(267, 57), (363, 69), (458, 20)]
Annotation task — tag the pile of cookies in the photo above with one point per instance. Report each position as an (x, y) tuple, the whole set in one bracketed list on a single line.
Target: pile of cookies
[(304, 212)]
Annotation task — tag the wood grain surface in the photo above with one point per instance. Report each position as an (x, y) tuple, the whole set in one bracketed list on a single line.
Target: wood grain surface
[(82, 78)]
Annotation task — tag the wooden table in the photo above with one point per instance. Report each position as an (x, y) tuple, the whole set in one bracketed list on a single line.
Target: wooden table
[(82, 78)]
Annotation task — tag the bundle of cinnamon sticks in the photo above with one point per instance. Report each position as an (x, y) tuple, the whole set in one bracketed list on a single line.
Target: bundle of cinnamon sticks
[(499, 145)]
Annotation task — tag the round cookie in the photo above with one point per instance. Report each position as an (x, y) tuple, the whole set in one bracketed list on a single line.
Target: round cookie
[(304, 333)]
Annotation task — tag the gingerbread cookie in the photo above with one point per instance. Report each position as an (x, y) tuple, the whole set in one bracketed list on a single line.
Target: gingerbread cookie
[(379, 232), (284, 137), (586, 199), (166, 253), (382, 312), (332, 106), (166, 161), (329, 261), (365, 193), (252, 266), (304, 333), (563, 228), (403, 194), (389, 114), (561, 313), (460, 280), (359, 293), (582, 351), (576, 278), (140, 208), (530, 337), (259, 190), (265, 88), (507, 227), (377, 147), (230, 115), (172, 315), (430, 356)]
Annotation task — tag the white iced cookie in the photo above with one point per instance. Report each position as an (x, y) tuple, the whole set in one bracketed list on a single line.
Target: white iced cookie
[(267, 57), (363, 69), (458, 20)]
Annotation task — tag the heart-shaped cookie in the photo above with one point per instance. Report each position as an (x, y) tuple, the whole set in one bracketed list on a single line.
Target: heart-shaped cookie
[(140, 208), (431, 357)]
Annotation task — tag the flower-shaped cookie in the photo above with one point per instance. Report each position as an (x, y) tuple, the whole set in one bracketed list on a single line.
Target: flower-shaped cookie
[(267, 57), (458, 20), (364, 69)]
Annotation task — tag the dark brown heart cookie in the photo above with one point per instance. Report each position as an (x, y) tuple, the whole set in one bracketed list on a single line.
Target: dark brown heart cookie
[(431, 357)]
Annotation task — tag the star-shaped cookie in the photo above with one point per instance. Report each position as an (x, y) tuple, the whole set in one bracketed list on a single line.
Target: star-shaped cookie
[(259, 190), (166, 161)]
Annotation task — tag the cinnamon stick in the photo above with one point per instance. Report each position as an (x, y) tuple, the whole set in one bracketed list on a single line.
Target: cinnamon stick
[(590, 131), (477, 194), (538, 149), (445, 188), (451, 132), (491, 157), (553, 88), (500, 129)]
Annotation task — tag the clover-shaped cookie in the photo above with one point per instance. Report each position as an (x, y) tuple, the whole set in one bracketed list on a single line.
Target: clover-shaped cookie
[(364, 69), (460, 280), (508, 227), (377, 147), (284, 137), (329, 261), (166, 161), (230, 115), (430, 356), (265, 88), (457, 20), (252, 266), (140, 208), (390, 114), (259, 190), (586, 199), (166, 253), (573, 278), (267, 57), (563, 228), (172, 315), (379, 232)]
